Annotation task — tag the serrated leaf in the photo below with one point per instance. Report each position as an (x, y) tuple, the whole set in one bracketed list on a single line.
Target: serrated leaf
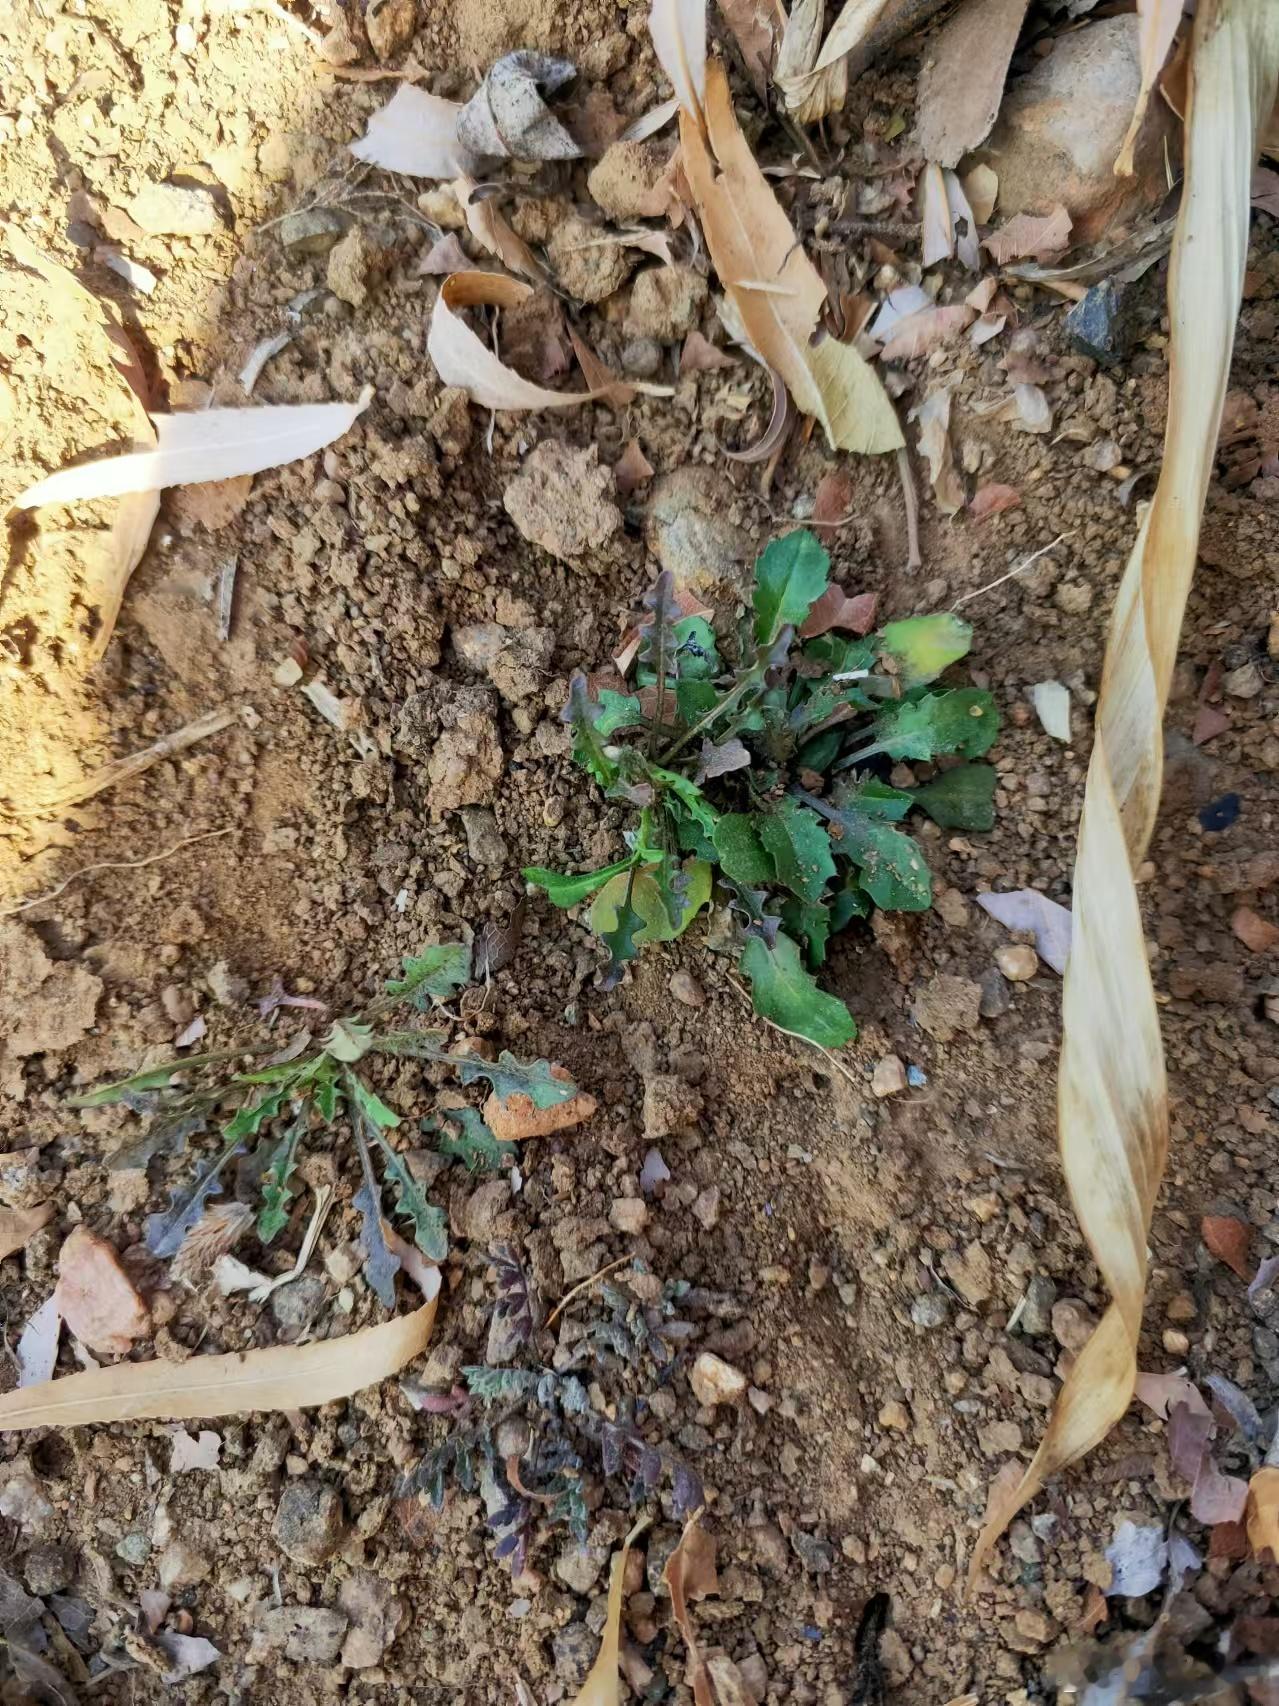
[(348, 1040), (326, 1099), (371, 1106), (617, 711), (688, 794), (741, 852), (960, 798), (783, 991), (588, 747), (381, 1264), (799, 846), (790, 576), (475, 1145), (273, 1216), (433, 975), (163, 1233), (924, 646), (430, 1227), (565, 890), (410, 1045), (963, 721), (659, 910), (809, 923), (252, 1116), (151, 1078), (512, 1077)]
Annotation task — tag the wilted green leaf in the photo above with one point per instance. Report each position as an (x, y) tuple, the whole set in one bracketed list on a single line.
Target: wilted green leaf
[(799, 846), (163, 1233), (784, 992), (411, 1045), (564, 890), (846, 904), (474, 1143), (925, 645), (348, 1040), (790, 577), (960, 798), (151, 1078), (963, 721), (689, 795), (372, 1107), (254, 1114), (430, 1228), (741, 852), (432, 975), (511, 1077), (276, 1195)]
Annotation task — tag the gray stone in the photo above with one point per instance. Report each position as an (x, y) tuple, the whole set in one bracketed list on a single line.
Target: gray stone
[(930, 1310), (307, 1634), (310, 231), (1036, 1316), (48, 1568), (310, 1524), (1061, 125), (173, 210), (580, 1567), (484, 841), (295, 1306), (641, 357), (574, 1648), (996, 997), (1102, 324), (134, 1549), (689, 531), (814, 1554)]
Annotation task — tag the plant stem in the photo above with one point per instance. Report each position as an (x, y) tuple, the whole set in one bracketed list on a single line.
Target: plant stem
[(752, 678)]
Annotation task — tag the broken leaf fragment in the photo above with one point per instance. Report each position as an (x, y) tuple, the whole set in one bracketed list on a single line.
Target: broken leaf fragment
[(601, 1687), (415, 133), (507, 117)]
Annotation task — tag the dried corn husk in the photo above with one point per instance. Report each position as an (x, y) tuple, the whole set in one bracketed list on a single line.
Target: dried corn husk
[(1112, 1098)]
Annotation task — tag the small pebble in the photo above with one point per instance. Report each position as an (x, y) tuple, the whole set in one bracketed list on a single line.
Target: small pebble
[(930, 1310), (686, 989), (889, 1078), (895, 1415), (1176, 1343), (996, 997), (1018, 961), (715, 1381)]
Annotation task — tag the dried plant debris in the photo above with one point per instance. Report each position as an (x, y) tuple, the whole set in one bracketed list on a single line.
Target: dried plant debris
[(415, 133), (279, 1106), (717, 760), (507, 116)]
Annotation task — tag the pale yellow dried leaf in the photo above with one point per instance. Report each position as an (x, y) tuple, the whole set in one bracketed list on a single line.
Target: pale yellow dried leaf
[(937, 229), (601, 1686), (933, 416), (690, 1574), (1158, 20), (1112, 1095), (756, 27), (814, 94), (493, 232), (286, 1377), (462, 358), (1263, 1512), (416, 133), (981, 186), (678, 29), (801, 40), (19, 1225), (751, 241)]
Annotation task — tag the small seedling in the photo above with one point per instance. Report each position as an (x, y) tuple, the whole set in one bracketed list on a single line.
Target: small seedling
[(279, 1105), (761, 777)]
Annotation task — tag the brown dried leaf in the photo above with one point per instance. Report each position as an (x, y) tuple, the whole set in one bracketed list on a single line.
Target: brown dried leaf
[(991, 500), (981, 186), (444, 256), (461, 358), (1038, 237), (1113, 1096), (962, 80), (756, 26), (1230, 1241), (926, 330), (1263, 1512), (933, 416), (1256, 933), (700, 355), (96, 1298), (493, 232), (690, 1574), (286, 1377), (19, 1225), (632, 468), (753, 245), (835, 609), (822, 90)]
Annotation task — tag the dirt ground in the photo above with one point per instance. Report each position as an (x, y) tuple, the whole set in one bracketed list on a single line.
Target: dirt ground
[(860, 1260)]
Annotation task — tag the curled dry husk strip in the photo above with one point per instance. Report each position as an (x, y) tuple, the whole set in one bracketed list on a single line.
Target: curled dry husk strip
[(1112, 1093), (601, 1686)]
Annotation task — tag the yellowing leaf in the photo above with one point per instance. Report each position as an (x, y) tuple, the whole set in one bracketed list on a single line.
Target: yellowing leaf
[(1263, 1512), (415, 133), (753, 244), (19, 1225), (811, 95), (286, 1377), (600, 1687), (490, 229), (1112, 1100)]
